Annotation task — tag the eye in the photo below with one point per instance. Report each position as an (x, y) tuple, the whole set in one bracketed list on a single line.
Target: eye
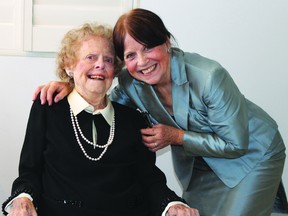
[(109, 60), (129, 56), (91, 58)]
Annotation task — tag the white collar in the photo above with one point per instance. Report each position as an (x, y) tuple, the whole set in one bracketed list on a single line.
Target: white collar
[(78, 104)]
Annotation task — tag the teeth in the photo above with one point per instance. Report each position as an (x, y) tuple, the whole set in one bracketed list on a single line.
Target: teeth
[(148, 70), (96, 77)]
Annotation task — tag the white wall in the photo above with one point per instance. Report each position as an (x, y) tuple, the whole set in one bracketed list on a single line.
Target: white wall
[(19, 77), (249, 38)]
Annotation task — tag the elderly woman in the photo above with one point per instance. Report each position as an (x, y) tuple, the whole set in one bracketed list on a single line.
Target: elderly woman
[(84, 155)]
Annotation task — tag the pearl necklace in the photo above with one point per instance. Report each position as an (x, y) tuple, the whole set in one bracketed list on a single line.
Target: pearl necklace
[(77, 130)]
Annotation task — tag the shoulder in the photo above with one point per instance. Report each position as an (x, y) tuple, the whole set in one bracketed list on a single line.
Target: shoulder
[(128, 115), (125, 83), (37, 105), (124, 110), (194, 60), (124, 77), (198, 68)]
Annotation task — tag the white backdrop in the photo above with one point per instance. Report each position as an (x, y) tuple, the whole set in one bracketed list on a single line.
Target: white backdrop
[(249, 38)]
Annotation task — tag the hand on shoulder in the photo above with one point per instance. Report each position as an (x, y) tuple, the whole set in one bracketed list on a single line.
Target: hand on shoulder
[(53, 88)]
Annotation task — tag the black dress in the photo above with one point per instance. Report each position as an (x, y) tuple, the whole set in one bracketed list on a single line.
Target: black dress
[(62, 181)]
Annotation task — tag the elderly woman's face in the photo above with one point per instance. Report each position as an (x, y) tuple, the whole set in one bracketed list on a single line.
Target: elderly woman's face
[(150, 65), (94, 69)]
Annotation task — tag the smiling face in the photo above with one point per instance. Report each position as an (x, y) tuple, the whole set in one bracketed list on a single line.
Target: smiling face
[(150, 65), (93, 72)]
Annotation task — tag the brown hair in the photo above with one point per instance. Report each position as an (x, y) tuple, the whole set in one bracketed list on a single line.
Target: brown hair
[(71, 43), (144, 26)]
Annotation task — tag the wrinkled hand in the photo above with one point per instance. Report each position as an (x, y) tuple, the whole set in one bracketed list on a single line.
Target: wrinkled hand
[(47, 91), (160, 136), (181, 210), (22, 207)]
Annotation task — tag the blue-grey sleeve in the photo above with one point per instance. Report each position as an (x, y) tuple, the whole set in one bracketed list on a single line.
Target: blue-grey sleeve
[(227, 117)]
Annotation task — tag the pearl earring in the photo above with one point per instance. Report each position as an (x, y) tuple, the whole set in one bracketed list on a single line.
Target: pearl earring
[(169, 50), (69, 73)]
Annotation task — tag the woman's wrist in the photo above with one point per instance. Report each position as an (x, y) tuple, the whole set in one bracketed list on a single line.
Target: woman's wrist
[(180, 137)]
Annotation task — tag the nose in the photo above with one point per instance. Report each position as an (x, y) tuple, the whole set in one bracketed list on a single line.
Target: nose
[(142, 59), (99, 64)]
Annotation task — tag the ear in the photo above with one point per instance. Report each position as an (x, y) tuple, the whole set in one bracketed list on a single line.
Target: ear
[(69, 72), (168, 44)]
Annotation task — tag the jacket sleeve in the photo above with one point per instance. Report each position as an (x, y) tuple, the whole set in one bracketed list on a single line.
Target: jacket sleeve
[(227, 116)]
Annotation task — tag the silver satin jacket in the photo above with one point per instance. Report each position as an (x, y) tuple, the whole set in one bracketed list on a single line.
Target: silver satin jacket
[(229, 131)]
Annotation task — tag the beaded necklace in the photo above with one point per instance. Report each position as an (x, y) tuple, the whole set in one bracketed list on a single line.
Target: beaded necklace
[(77, 131)]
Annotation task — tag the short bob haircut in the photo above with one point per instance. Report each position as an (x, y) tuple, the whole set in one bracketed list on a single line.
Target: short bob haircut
[(144, 26), (71, 43)]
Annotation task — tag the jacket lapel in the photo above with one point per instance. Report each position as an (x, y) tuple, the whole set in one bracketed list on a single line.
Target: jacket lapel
[(180, 90), (180, 97)]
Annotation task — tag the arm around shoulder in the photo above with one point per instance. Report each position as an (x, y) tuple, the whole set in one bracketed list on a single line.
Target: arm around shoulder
[(53, 91)]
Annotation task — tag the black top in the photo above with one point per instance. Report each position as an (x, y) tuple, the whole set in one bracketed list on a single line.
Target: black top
[(62, 181)]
